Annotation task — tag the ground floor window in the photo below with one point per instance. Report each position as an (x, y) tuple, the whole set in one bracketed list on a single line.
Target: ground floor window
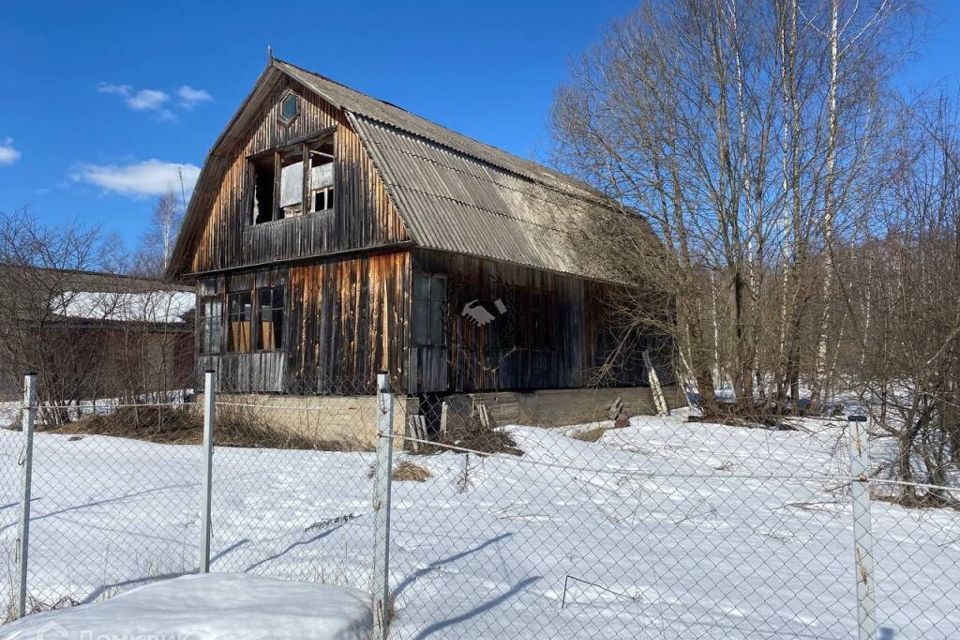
[(429, 300), (211, 324), (239, 318), (270, 309)]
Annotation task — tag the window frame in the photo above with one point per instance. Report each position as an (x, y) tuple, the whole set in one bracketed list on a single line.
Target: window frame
[(248, 321), (305, 148), (287, 121), (207, 322), (258, 314), (282, 154), (310, 149), (436, 299)]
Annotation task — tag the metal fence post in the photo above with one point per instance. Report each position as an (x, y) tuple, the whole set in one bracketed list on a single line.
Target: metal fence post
[(381, 508), (209, 407), (28, 419), (862, 530)]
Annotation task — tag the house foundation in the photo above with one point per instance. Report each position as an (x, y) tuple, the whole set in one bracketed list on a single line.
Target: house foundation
[(349, 422)]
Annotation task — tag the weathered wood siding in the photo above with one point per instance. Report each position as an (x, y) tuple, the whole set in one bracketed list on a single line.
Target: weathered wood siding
[(363, 214), (350, 320), (554, 335), (537, 344), (345, 320)]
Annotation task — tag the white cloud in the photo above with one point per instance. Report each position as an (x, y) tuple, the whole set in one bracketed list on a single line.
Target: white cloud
[(155, 100), (8, 155), (142, 100), (190, 97), (147, 99), (147, 178), (119, 89)]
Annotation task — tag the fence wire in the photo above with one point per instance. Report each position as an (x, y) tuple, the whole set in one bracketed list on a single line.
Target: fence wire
[(9, 508), (655, 527), (291, 490), (108, 512)]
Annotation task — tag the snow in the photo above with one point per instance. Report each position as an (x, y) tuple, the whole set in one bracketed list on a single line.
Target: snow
[(663, 529), (211, 607), (146, 306)]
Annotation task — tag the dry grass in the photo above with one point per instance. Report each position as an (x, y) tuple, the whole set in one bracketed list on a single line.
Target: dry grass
[(473, 435), (590, 435), (35, 605), (926, 500), (755, 416), (407, 471), (168, 425), (235, 427), (9, 612)]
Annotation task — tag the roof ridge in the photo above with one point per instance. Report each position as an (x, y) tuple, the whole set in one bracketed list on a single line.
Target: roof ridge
[(345, 86), (532, 166)]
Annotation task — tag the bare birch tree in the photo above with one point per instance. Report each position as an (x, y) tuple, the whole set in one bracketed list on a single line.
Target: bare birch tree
[(737, 127), (157, 243), (903, 278)]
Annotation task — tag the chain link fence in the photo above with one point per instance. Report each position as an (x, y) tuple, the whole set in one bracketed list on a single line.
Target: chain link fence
[(653, 526), (659, 527), (291, 490), (10, 496), (117, 492), (107, 512)]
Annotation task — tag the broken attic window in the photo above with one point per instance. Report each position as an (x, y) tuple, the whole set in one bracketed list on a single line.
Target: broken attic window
[(289, 108), (263, 190), (291, 183), (293, 180), (321, 176)]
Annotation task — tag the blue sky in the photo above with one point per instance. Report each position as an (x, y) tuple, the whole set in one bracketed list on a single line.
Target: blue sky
[(102, 100)]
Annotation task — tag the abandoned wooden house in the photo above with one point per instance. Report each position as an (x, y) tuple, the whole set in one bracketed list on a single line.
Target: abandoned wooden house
[(331, 235)]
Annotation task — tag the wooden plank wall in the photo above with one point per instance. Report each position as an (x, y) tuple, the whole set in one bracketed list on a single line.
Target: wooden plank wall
[(350, 321), (575, 337), (498, 355), (363, 216), (348, 318), (345, 321)]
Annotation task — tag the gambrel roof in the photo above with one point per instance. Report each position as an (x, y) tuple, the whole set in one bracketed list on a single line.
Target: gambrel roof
[(453, 193)]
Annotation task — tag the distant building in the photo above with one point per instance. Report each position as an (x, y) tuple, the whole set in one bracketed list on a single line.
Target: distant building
[(95, 335)]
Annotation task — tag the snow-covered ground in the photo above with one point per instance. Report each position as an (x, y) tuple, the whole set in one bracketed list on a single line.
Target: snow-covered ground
[(211, 607), (664, 529)]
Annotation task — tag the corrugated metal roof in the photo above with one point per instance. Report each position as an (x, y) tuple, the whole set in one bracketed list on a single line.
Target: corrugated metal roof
[(459, 195), (452, 203), (354, 101)]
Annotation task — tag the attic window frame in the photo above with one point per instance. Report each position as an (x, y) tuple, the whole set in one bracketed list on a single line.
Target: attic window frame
[(306, 145), (286, 95)]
